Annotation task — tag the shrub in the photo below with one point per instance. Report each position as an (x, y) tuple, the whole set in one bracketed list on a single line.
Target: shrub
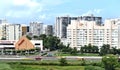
[(93, 68), (63, 62)]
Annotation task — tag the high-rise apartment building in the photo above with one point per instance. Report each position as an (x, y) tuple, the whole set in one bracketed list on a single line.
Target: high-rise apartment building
[(62, 23), (13, 32), (3, 24), (49, 30), (82, 32), (60, 26), (36, 28)]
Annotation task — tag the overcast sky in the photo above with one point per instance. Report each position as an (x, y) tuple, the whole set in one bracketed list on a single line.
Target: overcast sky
[(24, 11)]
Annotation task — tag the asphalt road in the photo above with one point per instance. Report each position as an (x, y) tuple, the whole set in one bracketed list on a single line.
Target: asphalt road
[(50, 58)]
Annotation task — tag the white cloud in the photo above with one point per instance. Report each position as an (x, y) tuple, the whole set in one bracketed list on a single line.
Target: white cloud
[(29, 3), (43, 16), (97, 11), (28, 9), (17, 14), (53, 2), (94, 12)]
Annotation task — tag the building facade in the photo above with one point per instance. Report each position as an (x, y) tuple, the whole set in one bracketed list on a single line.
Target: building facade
[(36, 28), (62, 23), (3, 24), (60, 26), (49, 30), (81, 32), (13, 31), (10, 46), (25, 30)]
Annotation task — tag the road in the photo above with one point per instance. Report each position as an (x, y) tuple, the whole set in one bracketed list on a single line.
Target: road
[(51, 58)]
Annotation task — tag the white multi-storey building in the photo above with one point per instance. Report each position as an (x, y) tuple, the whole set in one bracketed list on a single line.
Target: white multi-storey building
[(36, 28), (62, 23), (81, 32), (3, 24), (13, 32)]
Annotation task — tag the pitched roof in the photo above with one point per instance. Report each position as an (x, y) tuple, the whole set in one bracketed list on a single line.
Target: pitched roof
[(24, 44)]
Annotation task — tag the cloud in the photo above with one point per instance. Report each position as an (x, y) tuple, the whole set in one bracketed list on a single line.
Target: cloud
[(24, 11), (97, 11), (94, 12), (41, 17), (29, 3), (19, 8)]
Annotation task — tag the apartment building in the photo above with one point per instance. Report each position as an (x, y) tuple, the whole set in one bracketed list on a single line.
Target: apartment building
[(3, 24), (13, 31), (82, 32), (62, 23), (49, 30), (36, 28)]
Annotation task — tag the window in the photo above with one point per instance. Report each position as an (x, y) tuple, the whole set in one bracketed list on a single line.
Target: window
[(37, 43)]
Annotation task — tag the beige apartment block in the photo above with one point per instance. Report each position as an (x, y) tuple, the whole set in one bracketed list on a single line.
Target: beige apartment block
[(80, 33)]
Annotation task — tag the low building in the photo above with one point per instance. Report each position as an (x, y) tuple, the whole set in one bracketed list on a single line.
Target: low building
[(10, 46)]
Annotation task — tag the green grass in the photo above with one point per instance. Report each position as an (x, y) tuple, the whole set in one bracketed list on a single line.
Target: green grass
[(84, 54), (38, 67), (4, 66)]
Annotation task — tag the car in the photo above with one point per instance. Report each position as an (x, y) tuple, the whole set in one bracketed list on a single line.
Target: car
[(38, 58)]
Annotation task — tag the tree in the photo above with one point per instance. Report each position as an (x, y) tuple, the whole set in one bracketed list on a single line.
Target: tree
[(67, 49), (63, 61), (3, 38), (105, 49), (118, 51), (35, 37), (89, 49), (110, 62), (114, 51), (29, 37), (44, 38), (82, 50), (50, 42), (95, 49), (74, 51)]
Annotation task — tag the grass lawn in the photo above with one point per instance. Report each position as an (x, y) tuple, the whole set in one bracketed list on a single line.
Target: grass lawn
[(85, 54), (4, 66), (37, 67), (19, 66)]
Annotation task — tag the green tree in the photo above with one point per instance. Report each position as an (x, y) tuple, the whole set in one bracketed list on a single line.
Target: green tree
[(53, 42), (74, 51), (44, 38), (28, 37), (95, 49), (35, 37), (82, 50), (118, 51), (67, 49), (89, 49), (110, 62), (63, 61), (105, 49), (3, 38), (114, 51), (50, 42)]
